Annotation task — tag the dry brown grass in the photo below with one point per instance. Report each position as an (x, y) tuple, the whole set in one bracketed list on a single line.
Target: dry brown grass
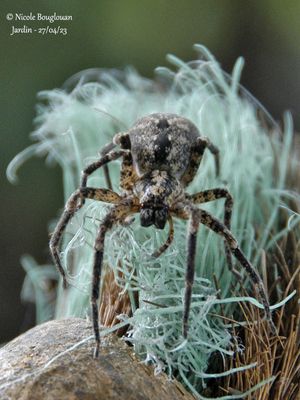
[(275, 356)]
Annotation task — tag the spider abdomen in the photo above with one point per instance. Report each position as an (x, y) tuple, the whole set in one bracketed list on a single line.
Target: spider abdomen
[(162, 142)]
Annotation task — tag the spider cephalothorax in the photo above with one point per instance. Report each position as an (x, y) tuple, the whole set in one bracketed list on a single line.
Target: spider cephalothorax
[(160, 154), (157, 191)]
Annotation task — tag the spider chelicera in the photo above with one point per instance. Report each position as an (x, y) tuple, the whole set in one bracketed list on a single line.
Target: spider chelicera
[(160, 154)]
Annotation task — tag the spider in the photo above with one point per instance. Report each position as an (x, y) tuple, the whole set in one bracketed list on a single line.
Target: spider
[(160, 154)]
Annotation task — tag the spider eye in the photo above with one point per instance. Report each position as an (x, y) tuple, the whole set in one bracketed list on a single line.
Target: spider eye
[(147, 216)]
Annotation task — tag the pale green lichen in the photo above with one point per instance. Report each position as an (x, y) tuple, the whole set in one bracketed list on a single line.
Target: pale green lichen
[(72, 125)]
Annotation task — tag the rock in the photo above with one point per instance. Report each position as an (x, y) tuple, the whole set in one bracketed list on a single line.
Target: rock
[(54, 361)]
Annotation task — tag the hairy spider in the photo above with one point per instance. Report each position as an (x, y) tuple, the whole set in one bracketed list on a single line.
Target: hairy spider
[(161, 154)]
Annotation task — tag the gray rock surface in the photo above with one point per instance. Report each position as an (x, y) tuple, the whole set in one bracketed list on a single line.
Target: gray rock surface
[(49, 362)]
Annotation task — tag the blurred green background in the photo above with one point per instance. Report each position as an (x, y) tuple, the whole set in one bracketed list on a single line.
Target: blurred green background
[(116, 33)]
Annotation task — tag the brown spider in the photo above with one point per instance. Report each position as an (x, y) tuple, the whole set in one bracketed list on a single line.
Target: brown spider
[(161, 155)]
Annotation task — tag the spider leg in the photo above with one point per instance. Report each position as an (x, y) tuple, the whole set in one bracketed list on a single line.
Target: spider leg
[(106, 149), (112, 155), (128, 175), (190, 270), (123, 140), (188, 211), (169, 240), (197, 152), (105, 195), (74, 204), (215, 194), (116, 214), (218, 227), (214, 151)]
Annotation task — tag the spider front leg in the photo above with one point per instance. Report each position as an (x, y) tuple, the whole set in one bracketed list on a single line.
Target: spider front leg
[(217, 226), (116, 214), (215, 194), (188, 211), (190, 268), (74, 204)]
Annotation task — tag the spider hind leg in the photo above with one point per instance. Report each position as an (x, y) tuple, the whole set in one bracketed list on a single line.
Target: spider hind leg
[(218, 227), (196, 217)]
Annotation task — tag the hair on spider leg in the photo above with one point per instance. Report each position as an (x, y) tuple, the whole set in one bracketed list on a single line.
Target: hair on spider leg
[(161, 154)]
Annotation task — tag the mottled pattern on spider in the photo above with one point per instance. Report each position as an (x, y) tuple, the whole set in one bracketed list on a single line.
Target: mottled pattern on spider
[(160, 154)]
